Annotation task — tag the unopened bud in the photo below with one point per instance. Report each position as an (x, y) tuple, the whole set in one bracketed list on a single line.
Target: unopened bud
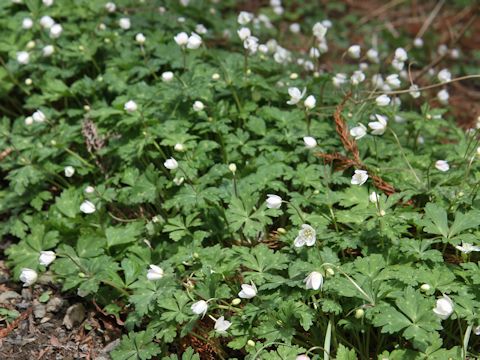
[(281, 231), (330, 271), (236, 301), (359, 313), (251, 343), (425, 287), (232, 167)]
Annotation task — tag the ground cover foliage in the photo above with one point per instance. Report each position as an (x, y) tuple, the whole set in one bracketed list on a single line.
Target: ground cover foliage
[(248, 185)]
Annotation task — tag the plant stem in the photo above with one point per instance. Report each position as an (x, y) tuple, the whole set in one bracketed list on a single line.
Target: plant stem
[(405, 156)]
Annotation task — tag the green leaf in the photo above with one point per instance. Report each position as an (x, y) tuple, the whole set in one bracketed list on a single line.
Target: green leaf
[(124, 234), (435, 221), (343, 353), (413, 317), (138, 346)]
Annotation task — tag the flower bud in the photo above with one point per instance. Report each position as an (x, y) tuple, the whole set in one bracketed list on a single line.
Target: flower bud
[(330, 272), (281, 231), (232, 167), (359, 313), (46, 257), (179, 147), (236, 301), (28, 277), (251, 343), (425, 287), (216, 77)]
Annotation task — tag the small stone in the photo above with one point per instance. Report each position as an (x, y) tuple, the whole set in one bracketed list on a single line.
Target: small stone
[(6, 296), (74, 316), (39, 311), (45, 320), (54, 304)]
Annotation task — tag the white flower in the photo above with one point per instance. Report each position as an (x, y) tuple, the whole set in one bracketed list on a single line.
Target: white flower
[(179, 147), (393, 81), (414, 92), (222, 325), (28, 120), (444, 307), (55, 31), (442, 165), (378, 127), (454, 53), (46, 257), (69, 171), (306, 236), (357, 77), (87, 207), (418, 42), (327, 23), (23, 57), (244, 18), (244, 33), (443, 96), (200, 29), (263, 48), (232, 167), (359, 178), (310, 102), (48, 50), (140, 38), (314, 280), (130, 106), (39, 116), (171, 164), (251, 44), (354, 51), (110, 7), (248, 291), (382, 100), (200, 307), (194, 41), (302, 357), (47, 2), (295, 95), (154, 273), (442, 49), (476, 330), (401, 54), (27, 23), (373, 197), (274, 201), (178, 180), (339, 80), (184, 2), (319, 31), (467, 248), (124, 23), (358, 132), (444, 75), (181, 39), (398, 65), (198, 106), (46, 22), (215, 76), (28, 276), (89, 189), (167, 76), (314, 53), (310, 142), (294, 28), (372, 55)]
